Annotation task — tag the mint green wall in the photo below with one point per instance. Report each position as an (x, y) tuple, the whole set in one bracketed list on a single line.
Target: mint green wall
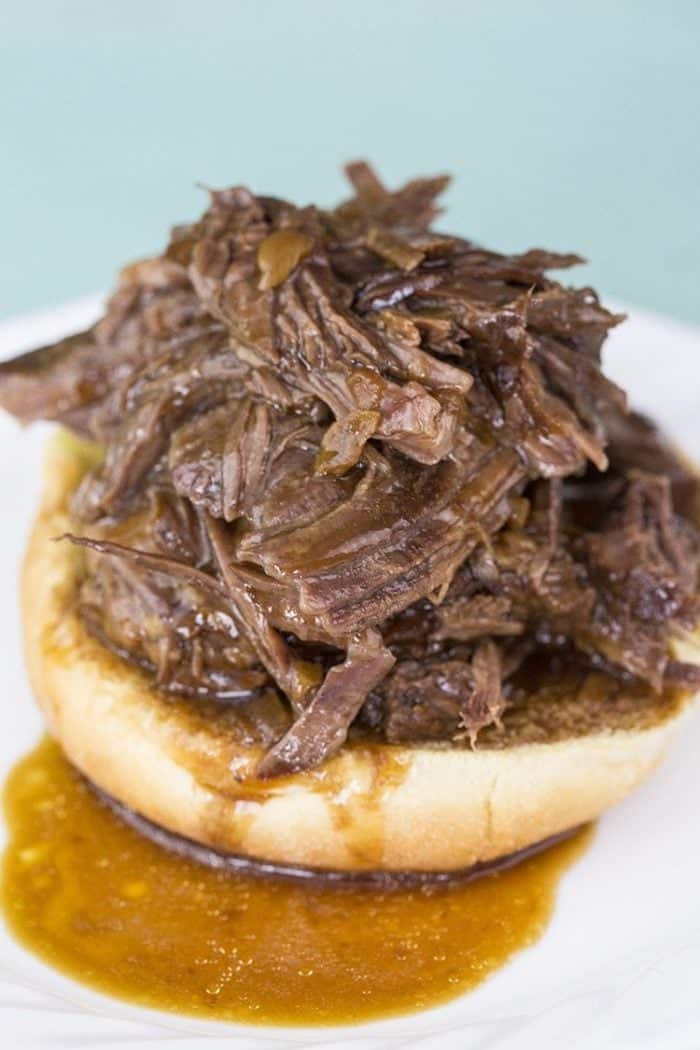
[(571, 124)]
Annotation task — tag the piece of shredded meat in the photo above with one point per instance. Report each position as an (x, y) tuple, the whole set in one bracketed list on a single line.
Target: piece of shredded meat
[(363, 469)]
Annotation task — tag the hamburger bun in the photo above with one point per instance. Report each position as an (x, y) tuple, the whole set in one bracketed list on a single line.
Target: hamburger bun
[(178, 762)]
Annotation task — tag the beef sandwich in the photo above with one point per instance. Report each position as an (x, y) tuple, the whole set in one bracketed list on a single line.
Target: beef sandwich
[(350, 556)]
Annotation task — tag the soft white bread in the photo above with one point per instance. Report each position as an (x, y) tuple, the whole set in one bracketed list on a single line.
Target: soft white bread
[(372, 807)]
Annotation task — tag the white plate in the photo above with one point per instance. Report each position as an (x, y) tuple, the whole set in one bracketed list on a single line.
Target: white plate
[(619, 965)]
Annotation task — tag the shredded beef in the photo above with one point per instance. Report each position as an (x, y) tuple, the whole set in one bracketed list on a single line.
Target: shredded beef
[(364, 470)]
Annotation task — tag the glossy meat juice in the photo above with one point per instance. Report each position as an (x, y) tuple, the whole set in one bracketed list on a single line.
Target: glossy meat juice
[(114, 910)]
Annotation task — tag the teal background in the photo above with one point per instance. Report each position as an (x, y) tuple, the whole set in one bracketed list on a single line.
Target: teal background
[(567, 124)]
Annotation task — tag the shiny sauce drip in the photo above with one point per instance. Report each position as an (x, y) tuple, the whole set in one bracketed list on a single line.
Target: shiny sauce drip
[(107, 906)]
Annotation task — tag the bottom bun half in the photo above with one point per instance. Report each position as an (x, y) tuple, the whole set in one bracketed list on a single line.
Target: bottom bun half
[(178, 762)]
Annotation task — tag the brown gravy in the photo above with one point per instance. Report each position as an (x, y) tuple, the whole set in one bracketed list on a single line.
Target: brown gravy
[(117, 911)]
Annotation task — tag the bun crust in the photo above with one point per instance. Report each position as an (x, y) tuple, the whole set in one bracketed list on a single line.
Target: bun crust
[(371, 807)]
